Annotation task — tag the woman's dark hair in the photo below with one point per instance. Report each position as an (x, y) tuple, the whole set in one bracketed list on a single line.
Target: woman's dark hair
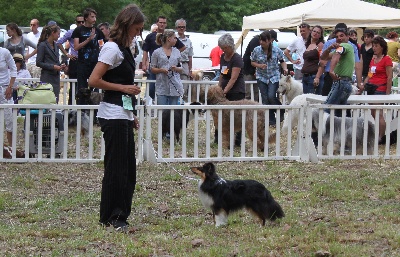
[(264, 36), (46, 32), (320, 39), (119, 32), (378, 40), (369, 33), (15, 27), (353, 31)]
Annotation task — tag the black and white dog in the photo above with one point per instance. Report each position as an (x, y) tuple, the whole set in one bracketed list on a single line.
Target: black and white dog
[(347, 133), (226, 196), (178, 116)]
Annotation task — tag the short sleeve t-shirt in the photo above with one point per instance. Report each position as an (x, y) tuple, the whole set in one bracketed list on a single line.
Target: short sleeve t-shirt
[(226, 71), (393, 48), (378, 71), (90, 52), (345, 66)]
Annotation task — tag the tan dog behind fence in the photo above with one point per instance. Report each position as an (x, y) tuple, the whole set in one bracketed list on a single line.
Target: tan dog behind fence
[(215, 96), (197, 75)]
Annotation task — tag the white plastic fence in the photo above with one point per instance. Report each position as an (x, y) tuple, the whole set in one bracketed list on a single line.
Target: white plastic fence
[(197, 141)]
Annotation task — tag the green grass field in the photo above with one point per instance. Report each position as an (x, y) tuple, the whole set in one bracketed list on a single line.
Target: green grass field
[(335, 208)]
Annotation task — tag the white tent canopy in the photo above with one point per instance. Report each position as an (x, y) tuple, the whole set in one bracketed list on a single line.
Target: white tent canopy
[(326, 13)]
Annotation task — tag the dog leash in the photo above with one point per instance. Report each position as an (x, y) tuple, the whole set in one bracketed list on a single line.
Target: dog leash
[(169, 164), (173, 84)]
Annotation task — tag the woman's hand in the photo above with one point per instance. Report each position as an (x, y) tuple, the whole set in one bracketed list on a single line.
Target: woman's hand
[(58, 67), (262, 66), (8, 93), (131, 89), (71, 57), (316, 82)]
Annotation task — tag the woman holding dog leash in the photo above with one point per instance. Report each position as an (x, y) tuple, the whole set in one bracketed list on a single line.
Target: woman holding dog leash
[(379, 79), (266, 59), (114, 73), (166, 64)]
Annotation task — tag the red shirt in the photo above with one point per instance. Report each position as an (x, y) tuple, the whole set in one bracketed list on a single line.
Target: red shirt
[(378, 70), (215, 56)]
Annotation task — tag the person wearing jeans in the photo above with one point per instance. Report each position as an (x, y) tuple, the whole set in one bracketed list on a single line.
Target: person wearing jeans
[(341, 70), (269, 97), (266, 58)]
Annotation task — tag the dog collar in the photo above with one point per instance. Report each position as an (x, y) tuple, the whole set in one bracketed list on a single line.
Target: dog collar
[(220, 181)]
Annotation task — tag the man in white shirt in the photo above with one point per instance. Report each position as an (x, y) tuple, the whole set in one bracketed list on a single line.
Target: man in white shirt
[(294, 52), (34, 37)]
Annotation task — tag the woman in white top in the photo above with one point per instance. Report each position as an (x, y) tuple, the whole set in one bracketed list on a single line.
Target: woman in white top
[(8, 73), (166, 64), (114, 73)]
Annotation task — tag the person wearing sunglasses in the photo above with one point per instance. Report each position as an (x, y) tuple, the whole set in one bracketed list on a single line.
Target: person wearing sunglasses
[(186, 55), (72, 54), (294, 52), (33, 36)]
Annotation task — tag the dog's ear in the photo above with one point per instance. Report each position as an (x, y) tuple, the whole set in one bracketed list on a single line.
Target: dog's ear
[(209, 168)]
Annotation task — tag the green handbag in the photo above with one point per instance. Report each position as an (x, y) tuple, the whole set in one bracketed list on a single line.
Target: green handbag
[(36, 93)]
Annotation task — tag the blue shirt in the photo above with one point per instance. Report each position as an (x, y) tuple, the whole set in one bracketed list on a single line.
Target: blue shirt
[(332, 41), (67, 37), (272, 72)]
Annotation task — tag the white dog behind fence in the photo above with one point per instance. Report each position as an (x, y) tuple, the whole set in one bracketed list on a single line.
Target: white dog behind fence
[(289, 87)]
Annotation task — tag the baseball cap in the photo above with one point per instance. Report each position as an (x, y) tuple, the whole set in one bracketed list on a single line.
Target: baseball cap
[(274, 35), (18, 57)]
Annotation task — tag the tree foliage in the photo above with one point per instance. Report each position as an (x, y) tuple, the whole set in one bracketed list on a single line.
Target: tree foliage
[(61, 11), (201, 15)]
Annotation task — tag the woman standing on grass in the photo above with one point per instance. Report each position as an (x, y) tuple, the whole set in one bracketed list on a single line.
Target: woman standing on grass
[(166, 64), (231, 77), (114, 73), (266, 58), (380, 74), (48, 58)]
